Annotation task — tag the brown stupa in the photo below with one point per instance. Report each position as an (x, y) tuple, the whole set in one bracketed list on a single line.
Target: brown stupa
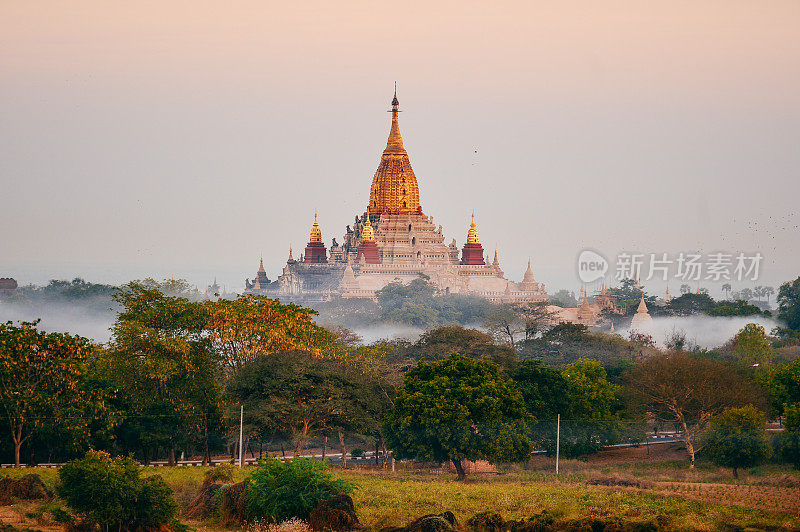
[(315, 249), (472, 252), (368, 249), (394, 185)]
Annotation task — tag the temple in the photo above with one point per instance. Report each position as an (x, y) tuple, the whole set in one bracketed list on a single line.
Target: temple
[(393, 241)]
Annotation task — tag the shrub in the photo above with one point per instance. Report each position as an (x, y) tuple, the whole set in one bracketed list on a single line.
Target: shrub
[(358, 452), (111, 493), (279, 491), (221, 474), (737, 438)]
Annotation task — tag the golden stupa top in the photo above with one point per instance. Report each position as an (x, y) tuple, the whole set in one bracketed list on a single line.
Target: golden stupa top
[(528, 277), (472, 234), (260, 268), (368, 234), (394, 186), (316, 234)]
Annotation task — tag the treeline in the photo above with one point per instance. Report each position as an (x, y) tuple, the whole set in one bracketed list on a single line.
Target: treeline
[(176, 372)]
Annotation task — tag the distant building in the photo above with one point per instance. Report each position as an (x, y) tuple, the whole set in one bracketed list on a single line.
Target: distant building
[(393, 241), (8, 286)]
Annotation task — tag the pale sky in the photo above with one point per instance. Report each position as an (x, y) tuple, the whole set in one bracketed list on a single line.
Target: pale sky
[(187, 138)]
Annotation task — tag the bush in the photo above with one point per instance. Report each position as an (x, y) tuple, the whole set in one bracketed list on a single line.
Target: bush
[(279, 491), (358, 452), (221, 474), (111, 493), (737, 438)]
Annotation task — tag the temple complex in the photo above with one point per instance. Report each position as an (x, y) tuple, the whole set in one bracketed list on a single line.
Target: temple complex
[(393, 241)]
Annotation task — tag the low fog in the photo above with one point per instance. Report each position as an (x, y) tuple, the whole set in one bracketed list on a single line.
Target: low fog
[(81, 320), (704, 331)]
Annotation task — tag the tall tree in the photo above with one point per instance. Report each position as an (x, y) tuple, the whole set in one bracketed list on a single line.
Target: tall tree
[(458, 408), (737, 438), (251, 327), (689, 390), (789, 304), (164, 369), (40, 378), (751, 346)]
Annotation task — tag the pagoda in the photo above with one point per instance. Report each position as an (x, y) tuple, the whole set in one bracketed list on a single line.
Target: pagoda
[(394, 241), (315, 249)]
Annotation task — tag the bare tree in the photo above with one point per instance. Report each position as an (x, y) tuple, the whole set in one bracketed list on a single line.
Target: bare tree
[(689, 391)]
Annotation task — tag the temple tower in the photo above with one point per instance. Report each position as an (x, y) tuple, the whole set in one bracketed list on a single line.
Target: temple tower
[(394, 185), (315, 249), (368, 249), (472, 252)]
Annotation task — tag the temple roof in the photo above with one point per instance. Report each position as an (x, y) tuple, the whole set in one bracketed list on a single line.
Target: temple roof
[(394, 185), (260, 268), (316, 234), (368, 234), (472, 234), (642, 306), (528, 277)]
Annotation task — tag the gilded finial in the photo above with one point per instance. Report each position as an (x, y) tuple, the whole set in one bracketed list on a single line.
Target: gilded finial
[(472, 234), (368, 234), (316, 234)]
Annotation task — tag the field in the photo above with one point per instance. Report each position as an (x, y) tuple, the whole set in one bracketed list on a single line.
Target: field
[(645, 486)]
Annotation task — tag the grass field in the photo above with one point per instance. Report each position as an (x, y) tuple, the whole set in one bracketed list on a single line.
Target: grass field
[(653, 487)]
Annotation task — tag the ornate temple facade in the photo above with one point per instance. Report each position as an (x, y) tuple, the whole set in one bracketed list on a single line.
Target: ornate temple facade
[(393, 241)]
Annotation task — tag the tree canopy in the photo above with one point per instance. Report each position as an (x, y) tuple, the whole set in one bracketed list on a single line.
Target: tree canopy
[(458, 408)]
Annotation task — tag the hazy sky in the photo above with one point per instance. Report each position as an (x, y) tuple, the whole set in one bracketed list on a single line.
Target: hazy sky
[(187, 138)]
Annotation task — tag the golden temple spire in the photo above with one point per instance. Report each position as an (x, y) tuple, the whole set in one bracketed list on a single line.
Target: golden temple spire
[(260, 268), (395, 142), (290, 252), (394, 186), (316, 234), (368, 234), (472, 234)]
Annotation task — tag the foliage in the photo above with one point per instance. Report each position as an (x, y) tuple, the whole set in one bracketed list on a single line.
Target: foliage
[(544, 390), (689, 391), (687, 304), (784, 386), (163, 371), (789, 304), (734, 308), (737, 438), (279, 491), (788, 441), (751, 346), (519, 322), (563, 298), (41, 380), (441, 342), (458, 408), (252, 327), (111, 493), (566, 343), (421, 304), (297, 395)]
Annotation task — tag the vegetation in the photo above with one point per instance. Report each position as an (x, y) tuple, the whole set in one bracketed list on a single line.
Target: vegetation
[(41, 381), (113, 494), (689, 390), (278, 491), (737, 438), (458, 408)]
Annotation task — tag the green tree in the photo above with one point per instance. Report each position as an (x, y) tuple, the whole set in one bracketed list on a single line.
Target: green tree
[(789, 304), (41, 379), (751, 346), (298, 395), (689, 391), (784, 386), (788, 441), (458, 408), (112, 494), (441, 342), (734, 308), (163, 369), (736, 438)]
